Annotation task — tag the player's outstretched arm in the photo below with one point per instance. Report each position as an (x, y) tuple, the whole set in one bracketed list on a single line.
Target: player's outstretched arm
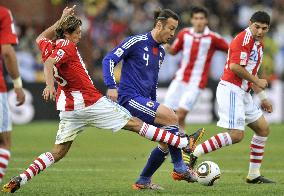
[(49, 91), (49, 33), (243, 73)]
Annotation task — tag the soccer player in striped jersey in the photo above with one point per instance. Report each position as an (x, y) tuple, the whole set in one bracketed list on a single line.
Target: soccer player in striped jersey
[(198, 44), (236, 107), (79, 102), (142, 57), (8, 38)]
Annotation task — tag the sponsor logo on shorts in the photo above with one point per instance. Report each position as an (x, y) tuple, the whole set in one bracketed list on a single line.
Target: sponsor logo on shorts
[(240, 121), (150, 104)]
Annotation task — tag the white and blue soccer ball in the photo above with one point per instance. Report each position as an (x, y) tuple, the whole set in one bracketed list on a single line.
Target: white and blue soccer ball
[(208, 173)]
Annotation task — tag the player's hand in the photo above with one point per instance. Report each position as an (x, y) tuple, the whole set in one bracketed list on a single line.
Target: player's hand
[(266, 106), (112, 94), (20, 95), (68, 11), (49, 93), (261, 83)]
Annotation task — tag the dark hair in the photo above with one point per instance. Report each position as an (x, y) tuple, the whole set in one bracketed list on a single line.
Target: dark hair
[(198, 9), (164, 14), (261, 17), (68, 24)]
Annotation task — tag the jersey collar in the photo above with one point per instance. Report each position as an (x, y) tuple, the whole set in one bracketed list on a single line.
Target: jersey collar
[(151, 39), (205, 32)]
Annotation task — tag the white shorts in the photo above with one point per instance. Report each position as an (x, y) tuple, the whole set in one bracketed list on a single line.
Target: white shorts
[(181, 95), (236, 108), (5, 114), (104, 114)]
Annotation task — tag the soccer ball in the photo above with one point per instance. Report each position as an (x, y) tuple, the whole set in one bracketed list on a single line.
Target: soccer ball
[(208, 173)]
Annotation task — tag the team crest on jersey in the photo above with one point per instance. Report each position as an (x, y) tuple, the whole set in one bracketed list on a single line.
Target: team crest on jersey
[(119, 52), (244, 56), (60, 53), (150, 104)]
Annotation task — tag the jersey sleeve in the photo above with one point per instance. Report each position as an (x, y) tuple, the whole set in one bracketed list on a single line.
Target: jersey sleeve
[(7, 29), (63, 52), (220, 43), (113, 58), (178, 43), (45, 46), (240, 51)]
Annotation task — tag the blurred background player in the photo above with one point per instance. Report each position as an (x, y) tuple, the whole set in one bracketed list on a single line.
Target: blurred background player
[(8, 38), (79, 102), (236, 107), (142, 57), (198, 45)]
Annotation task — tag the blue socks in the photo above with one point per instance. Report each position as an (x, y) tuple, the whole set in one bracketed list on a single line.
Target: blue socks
[(155, 160), (157, 157), (176, 154)]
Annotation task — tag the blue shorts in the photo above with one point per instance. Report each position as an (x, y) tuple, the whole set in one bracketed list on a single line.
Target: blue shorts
[(143, 108)]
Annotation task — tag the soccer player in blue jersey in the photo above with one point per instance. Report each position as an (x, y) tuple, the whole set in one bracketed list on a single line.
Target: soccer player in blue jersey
[(142, 57)]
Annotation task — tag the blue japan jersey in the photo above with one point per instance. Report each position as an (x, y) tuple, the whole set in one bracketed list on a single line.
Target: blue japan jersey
[(142, 57)]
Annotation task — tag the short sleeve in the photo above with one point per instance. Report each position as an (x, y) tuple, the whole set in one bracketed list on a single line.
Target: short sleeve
[(45, 46), (220, 43), (239, 52), (178, 43), (7, 29), (64, 51)]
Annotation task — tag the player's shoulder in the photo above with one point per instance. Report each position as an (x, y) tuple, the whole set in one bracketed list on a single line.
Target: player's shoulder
[(4, 11), (186, 30), (64, 44), (134, 39), (214, 34), (244, 38)]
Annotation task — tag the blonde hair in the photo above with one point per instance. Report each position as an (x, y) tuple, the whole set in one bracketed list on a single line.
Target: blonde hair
[(68, 24)]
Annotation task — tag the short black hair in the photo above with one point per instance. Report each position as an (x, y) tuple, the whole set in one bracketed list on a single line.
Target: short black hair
[(198, 9), (261, 17), (164, 14)]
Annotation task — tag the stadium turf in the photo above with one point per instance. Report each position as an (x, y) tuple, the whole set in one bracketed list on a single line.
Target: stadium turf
[(103, 163)]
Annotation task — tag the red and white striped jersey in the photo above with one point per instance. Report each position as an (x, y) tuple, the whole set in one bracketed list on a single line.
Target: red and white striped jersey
[(197, 51), (7, 36), (244, 51), (75, 87)]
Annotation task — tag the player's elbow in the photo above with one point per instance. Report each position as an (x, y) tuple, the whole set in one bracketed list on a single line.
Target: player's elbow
[(38, 39)]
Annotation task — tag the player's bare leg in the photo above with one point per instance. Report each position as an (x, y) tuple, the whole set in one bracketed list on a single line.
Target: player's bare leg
[(181, 113), (39, 164), (5, 145), (261, 129)]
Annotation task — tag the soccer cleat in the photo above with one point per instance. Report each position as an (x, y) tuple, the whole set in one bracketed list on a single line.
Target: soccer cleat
[(189, 176), (12, 185), (192, 140), (259, 180), (149, 185), (192, 161)]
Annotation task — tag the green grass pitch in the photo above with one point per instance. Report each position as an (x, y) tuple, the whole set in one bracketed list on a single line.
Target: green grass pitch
[(103, 163)]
